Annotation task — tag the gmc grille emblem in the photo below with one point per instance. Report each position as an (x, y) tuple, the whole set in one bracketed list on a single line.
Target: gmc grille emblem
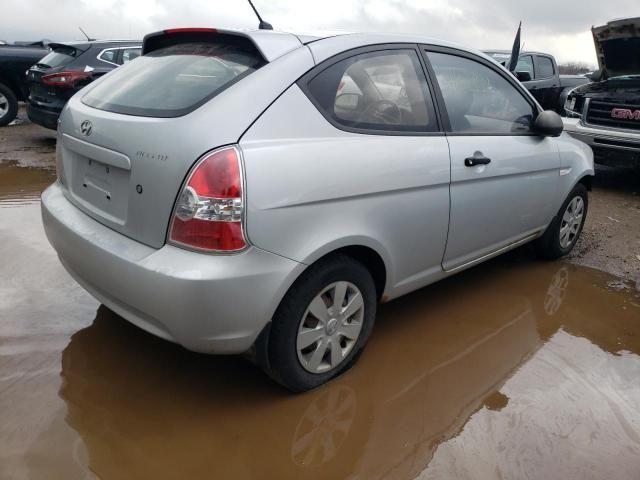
[(625, 114)]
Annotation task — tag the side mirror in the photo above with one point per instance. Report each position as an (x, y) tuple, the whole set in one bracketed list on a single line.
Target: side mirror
[(548, 124), (524, 76)]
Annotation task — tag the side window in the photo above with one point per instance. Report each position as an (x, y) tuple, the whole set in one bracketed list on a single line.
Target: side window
[(525, 64), (545, 67), (478, 99), (384, 90), (129, 54), (109, 55)]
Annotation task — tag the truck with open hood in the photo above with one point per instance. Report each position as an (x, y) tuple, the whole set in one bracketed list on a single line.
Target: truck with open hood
[(607, 111)]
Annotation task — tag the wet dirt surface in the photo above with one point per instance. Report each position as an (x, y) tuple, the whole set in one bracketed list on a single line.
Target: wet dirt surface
[(611, 236), (514, 369)]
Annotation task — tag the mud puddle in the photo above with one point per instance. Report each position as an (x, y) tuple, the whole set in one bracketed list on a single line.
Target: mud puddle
[(515, 369)]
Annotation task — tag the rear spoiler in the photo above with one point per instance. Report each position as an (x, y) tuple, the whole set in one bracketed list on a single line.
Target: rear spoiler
[(54, 45), (269, 44)]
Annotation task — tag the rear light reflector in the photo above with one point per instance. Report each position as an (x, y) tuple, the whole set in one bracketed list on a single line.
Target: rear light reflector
[(209, 211), (64, 79)]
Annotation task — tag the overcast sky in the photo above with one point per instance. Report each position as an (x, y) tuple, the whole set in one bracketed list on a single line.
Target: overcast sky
[(561, 27)]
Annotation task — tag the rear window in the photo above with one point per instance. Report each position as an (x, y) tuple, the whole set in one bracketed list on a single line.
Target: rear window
[(546, 67), (59, 57), (175, 80)]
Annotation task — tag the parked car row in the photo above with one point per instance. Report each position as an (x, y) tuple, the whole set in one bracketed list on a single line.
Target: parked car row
[(48, 77), (53, 80)]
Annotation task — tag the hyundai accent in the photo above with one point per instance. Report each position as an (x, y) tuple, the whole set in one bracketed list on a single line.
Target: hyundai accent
[(261, 192)]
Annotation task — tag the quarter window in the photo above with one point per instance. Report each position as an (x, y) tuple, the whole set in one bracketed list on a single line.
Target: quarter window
[(545, 67), (384, 90), (129, 54), (109, 55), (478, 99)]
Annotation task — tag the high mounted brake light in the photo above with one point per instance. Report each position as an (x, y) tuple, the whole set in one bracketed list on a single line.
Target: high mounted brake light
[(190, 30), (209, 212)]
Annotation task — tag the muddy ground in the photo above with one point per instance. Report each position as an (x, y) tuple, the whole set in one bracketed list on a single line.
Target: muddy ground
[(514, 369)]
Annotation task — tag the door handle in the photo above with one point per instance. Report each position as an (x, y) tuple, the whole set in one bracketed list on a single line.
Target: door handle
[(476, 160)]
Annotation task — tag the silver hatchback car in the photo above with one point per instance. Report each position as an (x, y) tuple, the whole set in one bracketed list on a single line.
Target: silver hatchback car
[(261, 192)]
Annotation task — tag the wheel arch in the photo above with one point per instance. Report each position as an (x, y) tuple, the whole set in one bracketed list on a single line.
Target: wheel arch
[(365, 250), (586, 180), (10, 84)]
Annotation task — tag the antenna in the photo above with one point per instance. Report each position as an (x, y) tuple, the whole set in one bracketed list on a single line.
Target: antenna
[(263, 25), (89, 39)]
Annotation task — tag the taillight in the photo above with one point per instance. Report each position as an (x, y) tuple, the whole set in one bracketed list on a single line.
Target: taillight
[(64, 79), (209, 212)]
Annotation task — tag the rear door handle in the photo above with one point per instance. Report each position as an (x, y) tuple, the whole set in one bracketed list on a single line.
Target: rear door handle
[(476, 160)]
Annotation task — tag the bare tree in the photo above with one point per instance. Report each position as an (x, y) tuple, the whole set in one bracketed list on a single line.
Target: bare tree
[(574, 68)]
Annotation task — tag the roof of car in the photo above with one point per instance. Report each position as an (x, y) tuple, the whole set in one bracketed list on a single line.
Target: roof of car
[(274, 43), (524, 52)]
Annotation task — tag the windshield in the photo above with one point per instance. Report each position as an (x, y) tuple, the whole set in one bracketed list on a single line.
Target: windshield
[(174, 81), (58, 57)]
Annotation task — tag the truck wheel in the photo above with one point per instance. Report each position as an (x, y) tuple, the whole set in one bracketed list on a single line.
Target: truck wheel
[(8, 105), (563, 232), (322, 324)]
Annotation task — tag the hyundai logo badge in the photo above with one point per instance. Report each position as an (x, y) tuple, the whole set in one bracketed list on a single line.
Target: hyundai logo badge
[(85, 128)]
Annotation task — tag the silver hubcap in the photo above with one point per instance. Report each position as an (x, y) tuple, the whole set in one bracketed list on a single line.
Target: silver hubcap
[(571, 222), (4, 105), (330, 327)]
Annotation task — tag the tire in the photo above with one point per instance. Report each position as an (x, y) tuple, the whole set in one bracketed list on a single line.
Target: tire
[(296, 367), (552, 244), (8, 105)]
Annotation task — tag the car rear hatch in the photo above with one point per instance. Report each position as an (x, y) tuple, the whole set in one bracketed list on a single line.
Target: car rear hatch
[(56, 61), (128, 140), (617, 45)]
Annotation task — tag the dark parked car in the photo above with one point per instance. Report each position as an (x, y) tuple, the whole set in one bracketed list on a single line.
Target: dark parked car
[(14, 61), (538, 72), (68, 68)]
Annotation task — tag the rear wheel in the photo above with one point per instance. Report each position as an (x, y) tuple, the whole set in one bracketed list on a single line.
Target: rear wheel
[(8, 105), (563, 232), (322, 324)]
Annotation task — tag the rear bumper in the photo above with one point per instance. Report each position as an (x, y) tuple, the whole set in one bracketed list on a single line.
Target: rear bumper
[(44, 117), (610, 146), (207, 303)]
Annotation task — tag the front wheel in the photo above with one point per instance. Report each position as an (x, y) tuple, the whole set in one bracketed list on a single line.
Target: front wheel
[(8, 105), (563, 232), (322, 324)]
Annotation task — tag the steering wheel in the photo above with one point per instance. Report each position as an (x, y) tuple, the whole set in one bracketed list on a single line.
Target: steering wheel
[(384, 111)]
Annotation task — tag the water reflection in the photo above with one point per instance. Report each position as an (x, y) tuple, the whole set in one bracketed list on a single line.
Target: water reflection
[(21, 184), (447, 363)]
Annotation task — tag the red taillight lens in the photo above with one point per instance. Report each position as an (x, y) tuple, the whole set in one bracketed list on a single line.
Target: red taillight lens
[(209, 211), (64, 79)]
